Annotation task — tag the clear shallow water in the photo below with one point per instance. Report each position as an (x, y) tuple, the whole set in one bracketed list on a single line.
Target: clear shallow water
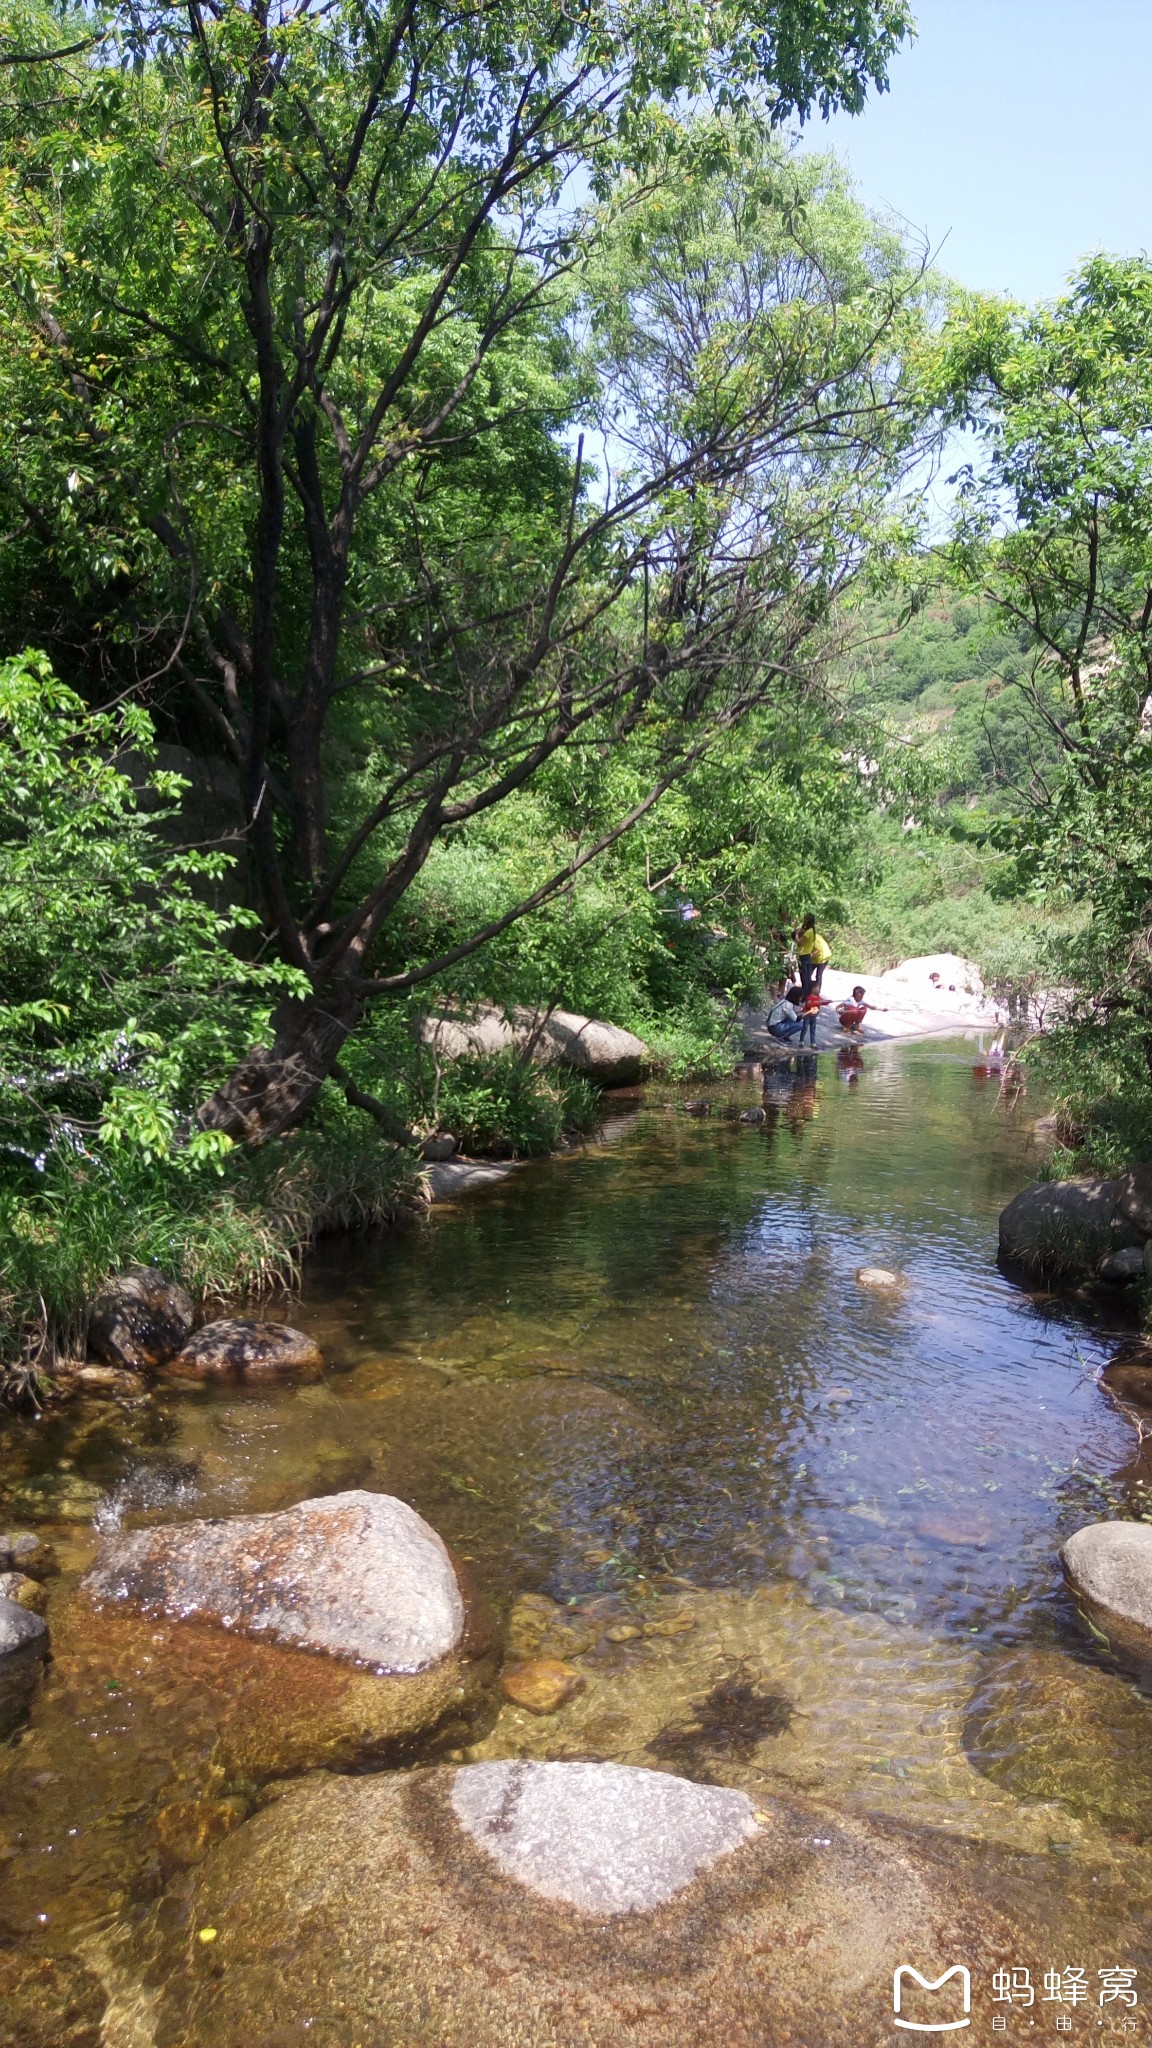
[(790, 1530)]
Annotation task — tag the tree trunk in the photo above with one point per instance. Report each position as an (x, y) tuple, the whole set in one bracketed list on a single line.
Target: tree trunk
[(274, 1086)]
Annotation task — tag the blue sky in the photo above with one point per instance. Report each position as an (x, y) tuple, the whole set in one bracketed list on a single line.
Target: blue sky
[(1017, 133)]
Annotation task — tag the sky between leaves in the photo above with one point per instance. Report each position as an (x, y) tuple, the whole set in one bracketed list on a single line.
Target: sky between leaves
[(1017, 135)]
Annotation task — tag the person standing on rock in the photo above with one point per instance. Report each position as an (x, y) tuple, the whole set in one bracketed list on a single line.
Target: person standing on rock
[(812, 954)]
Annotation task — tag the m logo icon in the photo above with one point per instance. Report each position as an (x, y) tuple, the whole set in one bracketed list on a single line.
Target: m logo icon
[(905, 1970)]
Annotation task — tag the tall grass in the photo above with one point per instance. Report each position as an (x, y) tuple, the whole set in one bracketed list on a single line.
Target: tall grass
[(237, 1233)]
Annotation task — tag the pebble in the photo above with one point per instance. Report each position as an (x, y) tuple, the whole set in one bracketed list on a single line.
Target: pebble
[(878, 1276), (543, 1687)]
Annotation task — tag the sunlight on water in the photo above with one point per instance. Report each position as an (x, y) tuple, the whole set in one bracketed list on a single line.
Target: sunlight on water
[(792, 1531)]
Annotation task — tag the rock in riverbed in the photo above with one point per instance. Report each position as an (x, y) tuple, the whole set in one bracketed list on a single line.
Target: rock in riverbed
[(880, 1277), (1119, 1268), (139, 1318), (239, 1348), (22, 1550), (329, 1631), (543, 1686), (513, 1904), (23, 1646), (1109, 1567), (1066, 1227)]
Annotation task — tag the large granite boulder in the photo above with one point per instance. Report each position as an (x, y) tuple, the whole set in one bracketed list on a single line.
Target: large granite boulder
[(138, 1319), (1065, 1227), (1108, 1565), (511, 1904), (239, 1348), (1134, 1196), (606, 1053), (330, 1631), (23, 1647)]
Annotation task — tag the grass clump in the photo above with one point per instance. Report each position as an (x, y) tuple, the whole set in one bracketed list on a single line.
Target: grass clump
[(238, 1230)]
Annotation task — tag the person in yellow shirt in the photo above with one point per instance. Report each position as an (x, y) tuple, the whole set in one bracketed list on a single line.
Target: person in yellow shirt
[(812, 955)]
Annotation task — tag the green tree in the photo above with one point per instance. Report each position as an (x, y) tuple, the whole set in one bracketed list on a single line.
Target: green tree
[(1056, 531), (297, 299), (120, 994)]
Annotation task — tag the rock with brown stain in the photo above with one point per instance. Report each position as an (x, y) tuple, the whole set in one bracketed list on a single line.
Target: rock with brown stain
[(575, 1904), (543, 1686), (239, 1348), (326, 1633), (139, 1319), (1130, 1379)]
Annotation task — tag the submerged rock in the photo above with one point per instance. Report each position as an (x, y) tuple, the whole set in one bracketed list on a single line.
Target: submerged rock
[(1066, 1226), (581, 1904), (1129, 1376), (878, 1276), (1109, 1567), (139, 1319), (23, 1550), (329, 1630), (239, 1348), (543, 1686), (1047, 1727), (23, 1646), (605, 1838), (49, 2002)]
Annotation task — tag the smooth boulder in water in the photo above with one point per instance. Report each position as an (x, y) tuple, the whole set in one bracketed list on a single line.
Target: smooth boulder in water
[(239, 1348), (1109, 1567), (579, 1904), (329, 1631), (139, 1319)]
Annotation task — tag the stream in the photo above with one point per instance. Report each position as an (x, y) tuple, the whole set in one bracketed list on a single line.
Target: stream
[(795, 1532)]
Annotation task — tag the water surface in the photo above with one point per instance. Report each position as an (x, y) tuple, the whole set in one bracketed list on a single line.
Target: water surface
[(790, 1529)]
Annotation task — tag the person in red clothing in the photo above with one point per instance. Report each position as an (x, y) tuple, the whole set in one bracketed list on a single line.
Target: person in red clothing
[(852, 1014), (814, 1002)]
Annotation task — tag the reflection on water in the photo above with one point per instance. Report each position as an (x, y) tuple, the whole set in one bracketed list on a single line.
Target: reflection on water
[(789, 1528)]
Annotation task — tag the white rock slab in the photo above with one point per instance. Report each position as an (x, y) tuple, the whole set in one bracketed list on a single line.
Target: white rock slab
[(355, 1575), (606, 1838)]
